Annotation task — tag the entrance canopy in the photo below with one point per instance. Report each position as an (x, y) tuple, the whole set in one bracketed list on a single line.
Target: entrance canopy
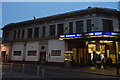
[(90, 35)]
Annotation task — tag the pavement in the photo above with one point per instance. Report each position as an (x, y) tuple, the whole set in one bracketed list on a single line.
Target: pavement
[(86, 70)]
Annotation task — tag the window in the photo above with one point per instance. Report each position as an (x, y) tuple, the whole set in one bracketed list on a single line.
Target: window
[(32, 53), (55, 52), (52, 30), (30, 33), (60, 29), (22, 37), (79, 27), (119, 26), (89, 25), (14, 37), (70, 27), (107, 25), (6, 36), (18, 34), (36, 32), (17, 53), (43, 31)]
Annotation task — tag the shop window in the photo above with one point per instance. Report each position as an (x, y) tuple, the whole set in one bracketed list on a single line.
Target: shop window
[(36, 32), (55, 52), (29, 33), (107, 25), (32, 53), (70, 27), (60, 29), (17, 53), (52, 30), (43, 31), (89, 25), (79, 27)]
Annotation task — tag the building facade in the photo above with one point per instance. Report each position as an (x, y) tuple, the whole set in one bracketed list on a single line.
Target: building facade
[(92, 33)]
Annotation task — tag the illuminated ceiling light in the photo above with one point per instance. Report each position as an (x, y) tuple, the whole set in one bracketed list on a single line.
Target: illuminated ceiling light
[(90, 51), (105, 41), (60, 39), (98, 52), (92, 41)]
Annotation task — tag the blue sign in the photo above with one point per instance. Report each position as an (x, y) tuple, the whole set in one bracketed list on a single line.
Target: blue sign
[(90, 34), (70, 35), (108, 33), (93, 34)]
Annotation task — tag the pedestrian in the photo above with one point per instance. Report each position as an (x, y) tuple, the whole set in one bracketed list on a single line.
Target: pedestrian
[(94, 61), (72, 61), (104, 62), (109, 62)]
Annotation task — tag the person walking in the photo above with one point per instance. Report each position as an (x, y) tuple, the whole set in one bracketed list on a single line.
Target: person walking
[(109, 62), (104, 62)]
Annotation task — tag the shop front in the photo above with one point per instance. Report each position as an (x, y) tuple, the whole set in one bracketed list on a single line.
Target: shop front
[(93, 47)]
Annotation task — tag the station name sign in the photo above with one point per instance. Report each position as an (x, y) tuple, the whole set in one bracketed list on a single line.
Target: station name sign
[(90, 34)]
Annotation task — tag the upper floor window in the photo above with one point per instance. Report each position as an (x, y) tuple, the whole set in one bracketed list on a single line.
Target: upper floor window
[(43, 31), (79, 26), (119, 26), (6, 36), (22, 36), (89, 25), (70, 27), (36, 32), (60, 29), (29, 35), (52, 30), (18, 34), (14, 35), (107, 25)]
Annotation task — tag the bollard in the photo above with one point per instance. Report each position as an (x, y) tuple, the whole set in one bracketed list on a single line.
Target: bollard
[(11, 69), (43, 72), (38, 71), (23, 70)]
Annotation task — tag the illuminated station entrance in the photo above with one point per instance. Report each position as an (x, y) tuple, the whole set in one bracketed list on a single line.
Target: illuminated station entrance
[(93, 46)]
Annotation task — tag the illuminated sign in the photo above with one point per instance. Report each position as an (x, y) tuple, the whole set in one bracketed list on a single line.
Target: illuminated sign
[(89, 34), (70, 35), (115, 34), (93, 34)]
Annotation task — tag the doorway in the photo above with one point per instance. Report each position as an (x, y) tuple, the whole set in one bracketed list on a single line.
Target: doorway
[(4, 56), (42, 57)]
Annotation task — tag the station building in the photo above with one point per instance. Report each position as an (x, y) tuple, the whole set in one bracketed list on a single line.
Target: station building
[(91, 33)]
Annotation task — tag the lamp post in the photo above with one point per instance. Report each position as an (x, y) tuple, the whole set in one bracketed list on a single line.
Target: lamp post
[(116, 56)]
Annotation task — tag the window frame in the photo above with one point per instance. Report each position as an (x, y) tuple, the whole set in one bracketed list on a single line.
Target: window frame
[(17, 54), (28, 54), (56, 53)]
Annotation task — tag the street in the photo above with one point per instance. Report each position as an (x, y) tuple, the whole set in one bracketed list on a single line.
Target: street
[(31, 71)]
